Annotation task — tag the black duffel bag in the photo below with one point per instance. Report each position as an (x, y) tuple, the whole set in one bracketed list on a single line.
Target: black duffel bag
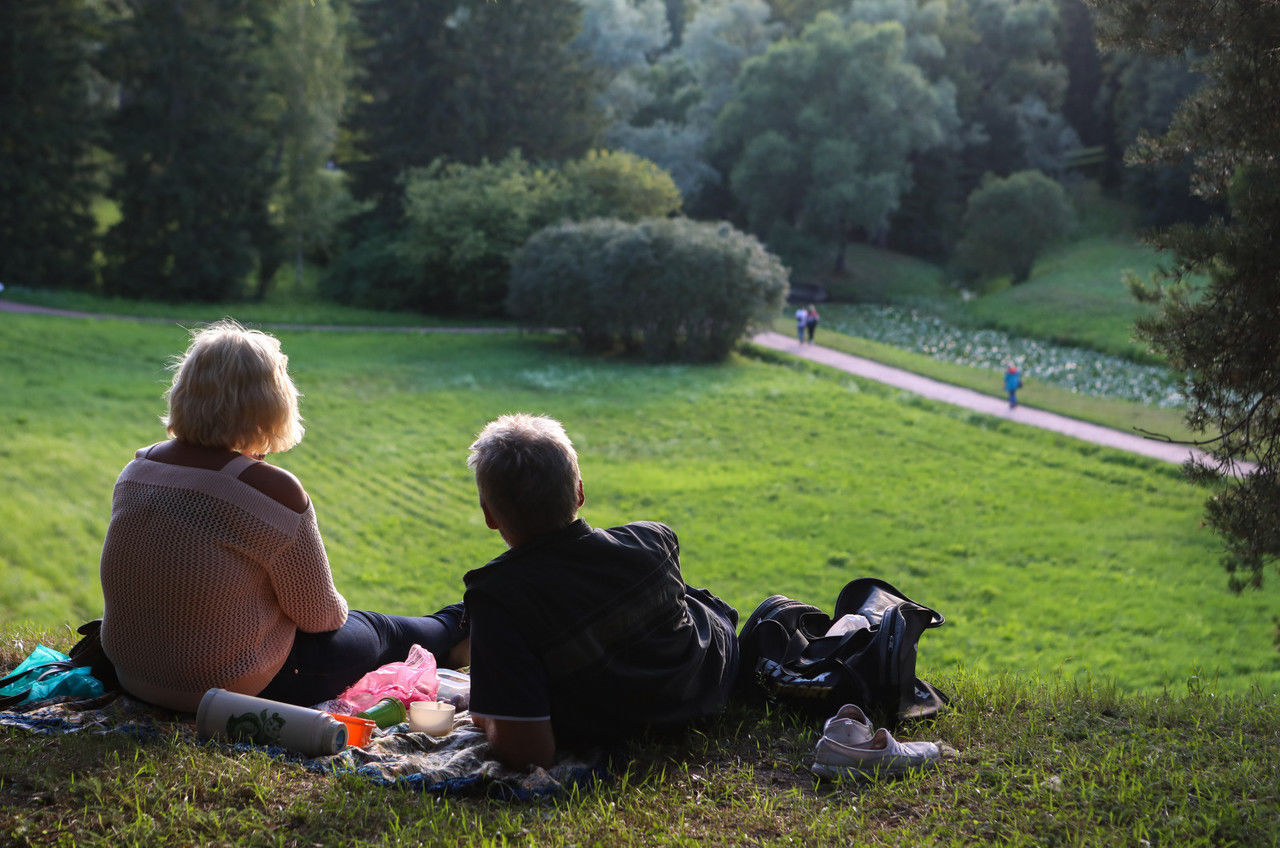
[(787, 656)]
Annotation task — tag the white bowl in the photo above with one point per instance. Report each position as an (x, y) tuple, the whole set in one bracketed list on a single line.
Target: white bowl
[(433, 717)]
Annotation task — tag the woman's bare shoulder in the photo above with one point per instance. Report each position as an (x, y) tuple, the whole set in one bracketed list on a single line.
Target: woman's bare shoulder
[(277, 484)]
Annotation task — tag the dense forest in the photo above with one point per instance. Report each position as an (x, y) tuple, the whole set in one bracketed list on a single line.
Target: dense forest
[(409, 147)]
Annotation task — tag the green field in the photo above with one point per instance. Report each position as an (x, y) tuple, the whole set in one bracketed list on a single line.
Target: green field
[(1047, 555), (286, 304), (1106, 688), (1076, 295)]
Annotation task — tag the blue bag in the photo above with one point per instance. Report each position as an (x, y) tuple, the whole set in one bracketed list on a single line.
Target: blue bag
[(47, 674)]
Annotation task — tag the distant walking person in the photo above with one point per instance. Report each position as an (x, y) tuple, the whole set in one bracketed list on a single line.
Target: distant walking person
[(802, 321), (811, 321), (1012, 382)]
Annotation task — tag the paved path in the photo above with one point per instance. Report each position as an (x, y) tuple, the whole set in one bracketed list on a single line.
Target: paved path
[(969, 399), (904, 380)]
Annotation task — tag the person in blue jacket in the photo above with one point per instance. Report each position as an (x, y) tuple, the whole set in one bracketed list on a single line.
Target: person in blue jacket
[(1012, 382)]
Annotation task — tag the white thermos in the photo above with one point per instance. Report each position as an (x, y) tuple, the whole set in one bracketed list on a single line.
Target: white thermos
[(245, 718)]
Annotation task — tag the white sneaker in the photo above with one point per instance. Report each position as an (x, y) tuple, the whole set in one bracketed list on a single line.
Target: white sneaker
[(881, 755), (849, 726)]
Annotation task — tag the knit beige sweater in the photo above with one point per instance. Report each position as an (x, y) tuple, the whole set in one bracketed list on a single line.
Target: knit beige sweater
[(205, 582)]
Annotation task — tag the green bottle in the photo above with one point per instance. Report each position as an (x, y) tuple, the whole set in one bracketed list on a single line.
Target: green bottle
[(385, 713)]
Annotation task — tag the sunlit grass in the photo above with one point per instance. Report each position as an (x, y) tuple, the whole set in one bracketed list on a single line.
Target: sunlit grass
[(1107, 689), (1031, 762), (1076, 295), (778, 479)]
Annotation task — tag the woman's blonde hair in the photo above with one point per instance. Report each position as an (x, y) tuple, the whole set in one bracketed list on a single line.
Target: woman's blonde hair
[(231, 389), (527, 473)]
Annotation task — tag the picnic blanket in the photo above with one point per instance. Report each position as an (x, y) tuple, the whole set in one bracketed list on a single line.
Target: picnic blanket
[(457, 764)]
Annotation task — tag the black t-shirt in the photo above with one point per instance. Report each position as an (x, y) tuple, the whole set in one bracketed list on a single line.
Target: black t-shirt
[(597, 631)]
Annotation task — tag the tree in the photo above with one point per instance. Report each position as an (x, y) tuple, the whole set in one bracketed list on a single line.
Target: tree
[(308, 74), (622, 34), (1143, 95), (821, 131), (49, 124), (681, 94), (189, 143), (1224, 333), (1002, 59), (1083, 62), (462, 223), (1009, 221), (468, 81)]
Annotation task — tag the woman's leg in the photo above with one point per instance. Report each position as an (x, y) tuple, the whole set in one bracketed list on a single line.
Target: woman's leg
[(321, 665)]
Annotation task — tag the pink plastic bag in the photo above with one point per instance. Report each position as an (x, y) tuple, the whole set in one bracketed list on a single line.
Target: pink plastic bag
[(412, 680)]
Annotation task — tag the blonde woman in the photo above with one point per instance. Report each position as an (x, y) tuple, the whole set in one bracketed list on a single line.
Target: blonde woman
[(213, 570)]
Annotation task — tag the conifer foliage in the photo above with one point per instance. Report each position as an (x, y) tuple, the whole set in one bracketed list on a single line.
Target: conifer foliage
[(1219, 320), (468, 81), (190, 146), (48, 125)]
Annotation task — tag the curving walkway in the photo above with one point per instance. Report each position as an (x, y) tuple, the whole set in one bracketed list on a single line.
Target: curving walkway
[(978, 402), (856, 365)]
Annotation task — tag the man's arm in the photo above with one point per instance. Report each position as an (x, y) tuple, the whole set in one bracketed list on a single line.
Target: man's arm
[(520, 744)]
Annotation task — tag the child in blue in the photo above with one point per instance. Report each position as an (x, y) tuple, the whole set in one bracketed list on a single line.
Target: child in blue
[(578, 634), (1012, 382)]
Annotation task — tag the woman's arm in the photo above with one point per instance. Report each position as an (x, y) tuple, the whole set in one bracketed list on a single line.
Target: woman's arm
[(303, 583)]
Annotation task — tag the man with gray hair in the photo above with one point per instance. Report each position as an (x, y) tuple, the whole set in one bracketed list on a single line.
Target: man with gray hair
[(580, 635)]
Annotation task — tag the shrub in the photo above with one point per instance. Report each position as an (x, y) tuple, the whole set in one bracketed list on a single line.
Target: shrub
[(1008, 222), (451, 251), (367, 271), (461, 225), (667, 289), (616, 184)]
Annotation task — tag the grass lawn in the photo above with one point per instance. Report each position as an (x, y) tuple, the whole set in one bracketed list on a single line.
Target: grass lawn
[(1046, 553), (877, 276), (1108, 689), (1076, 295), (288, 301), (1034, 764)]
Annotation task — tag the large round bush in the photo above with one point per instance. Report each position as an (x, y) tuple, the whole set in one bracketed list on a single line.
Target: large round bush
[(667, 289), (1010, 221)]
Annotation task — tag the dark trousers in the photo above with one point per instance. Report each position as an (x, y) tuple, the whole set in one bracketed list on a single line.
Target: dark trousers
[(321, 665)]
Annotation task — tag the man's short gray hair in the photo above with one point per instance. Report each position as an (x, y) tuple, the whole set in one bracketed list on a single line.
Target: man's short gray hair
[(527, 473)]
